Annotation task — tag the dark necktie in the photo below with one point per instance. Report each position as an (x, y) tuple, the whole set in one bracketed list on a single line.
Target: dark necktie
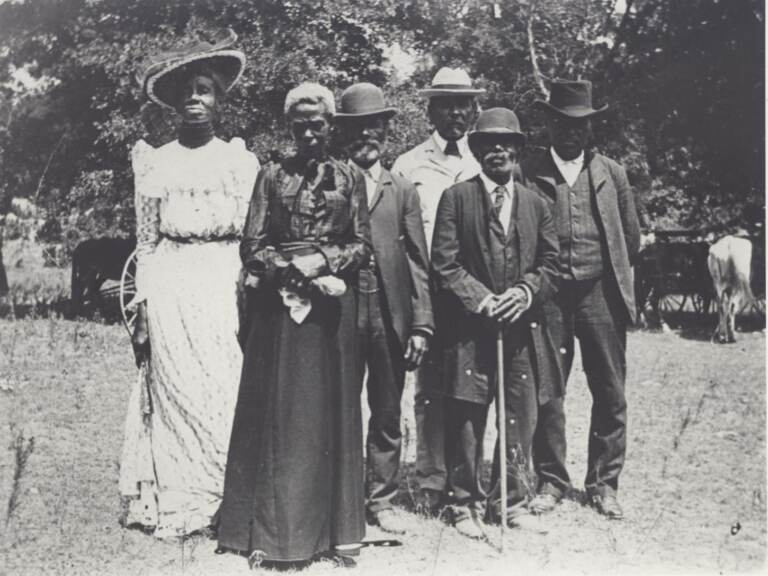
[(452, 149), (498, 201)]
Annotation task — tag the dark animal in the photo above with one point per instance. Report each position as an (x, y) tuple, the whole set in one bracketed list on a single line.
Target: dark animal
[(737, 266), (94, 262), (673, 268)]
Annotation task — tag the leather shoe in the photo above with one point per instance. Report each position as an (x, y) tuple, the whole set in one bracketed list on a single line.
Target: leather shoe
[(469, 524), (429, 502), (607, 504), (543, 502), (389, 521)]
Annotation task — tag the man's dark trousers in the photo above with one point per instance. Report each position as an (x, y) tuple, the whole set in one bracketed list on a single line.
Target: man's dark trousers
[(592, 311), (465, 431), (382, 352)]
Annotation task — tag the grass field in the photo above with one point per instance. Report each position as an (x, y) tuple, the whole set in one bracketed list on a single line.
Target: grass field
[(693, 489)]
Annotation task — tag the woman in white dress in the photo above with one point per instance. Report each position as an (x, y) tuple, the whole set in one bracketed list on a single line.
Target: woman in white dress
[(191, 201)]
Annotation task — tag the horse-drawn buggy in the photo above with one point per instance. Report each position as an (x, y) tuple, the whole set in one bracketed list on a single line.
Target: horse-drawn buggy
[(671, 274)]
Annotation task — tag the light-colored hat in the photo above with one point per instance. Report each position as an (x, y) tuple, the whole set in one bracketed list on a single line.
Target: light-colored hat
[(159, 78), (363, 99), (451, 82)]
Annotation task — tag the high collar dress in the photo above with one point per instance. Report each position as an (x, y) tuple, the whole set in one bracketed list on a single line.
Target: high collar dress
[(294, 480)]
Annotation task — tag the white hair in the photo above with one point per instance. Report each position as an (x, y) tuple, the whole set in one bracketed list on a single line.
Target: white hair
[(310, 93)]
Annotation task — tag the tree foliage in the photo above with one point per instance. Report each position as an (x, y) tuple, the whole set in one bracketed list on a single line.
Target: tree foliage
[(684, 81)]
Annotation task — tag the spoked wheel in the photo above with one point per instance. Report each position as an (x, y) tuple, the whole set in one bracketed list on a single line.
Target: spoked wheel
[(701, 304), (672, 302), (128, 292)]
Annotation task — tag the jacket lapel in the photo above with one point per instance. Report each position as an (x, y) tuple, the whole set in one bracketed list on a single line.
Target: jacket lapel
[(481, 215), (547, 173), (385, 180)]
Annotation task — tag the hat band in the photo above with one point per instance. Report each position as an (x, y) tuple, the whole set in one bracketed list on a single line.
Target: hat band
[(451, 87)]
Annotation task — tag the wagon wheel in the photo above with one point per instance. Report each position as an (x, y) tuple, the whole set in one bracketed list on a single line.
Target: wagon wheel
[(701, 304), (672, 302), (128, 292)]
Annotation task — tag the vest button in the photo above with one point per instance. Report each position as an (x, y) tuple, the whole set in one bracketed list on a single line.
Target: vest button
[(468, 372), (534, 324)]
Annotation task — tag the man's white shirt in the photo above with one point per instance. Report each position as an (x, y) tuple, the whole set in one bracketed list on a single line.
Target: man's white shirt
[(570, 169)]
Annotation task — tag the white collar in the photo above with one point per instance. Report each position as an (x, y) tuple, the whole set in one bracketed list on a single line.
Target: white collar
[(462, 144), (490, 185), (559, 162)]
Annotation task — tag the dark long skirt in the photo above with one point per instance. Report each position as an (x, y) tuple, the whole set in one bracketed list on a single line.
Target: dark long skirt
[(294, 481)]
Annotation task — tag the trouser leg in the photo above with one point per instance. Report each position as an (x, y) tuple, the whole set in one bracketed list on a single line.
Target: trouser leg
[(464, 432), (430, 430), (386, 377), (549, 441), (520, 419), (602, 333)]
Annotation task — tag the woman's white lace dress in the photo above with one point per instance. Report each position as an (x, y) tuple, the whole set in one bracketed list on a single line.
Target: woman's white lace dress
[(191, 205)]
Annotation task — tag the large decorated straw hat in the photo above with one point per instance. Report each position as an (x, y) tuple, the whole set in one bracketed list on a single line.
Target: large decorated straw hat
[(159, 79), (451, 82), (572, 98)]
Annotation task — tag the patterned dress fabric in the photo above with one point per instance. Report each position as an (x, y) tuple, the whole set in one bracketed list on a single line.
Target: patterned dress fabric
[(191, 205)]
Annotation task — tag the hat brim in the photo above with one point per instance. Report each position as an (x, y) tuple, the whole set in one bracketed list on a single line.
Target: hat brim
[(519, 136), (160, 86), (387, 112), (430, 92), (574, 112)]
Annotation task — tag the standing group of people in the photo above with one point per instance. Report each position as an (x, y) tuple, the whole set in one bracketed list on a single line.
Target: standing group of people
[(247, 415)]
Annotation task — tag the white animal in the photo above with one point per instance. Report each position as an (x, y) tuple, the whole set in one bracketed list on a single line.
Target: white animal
[(729, 262)]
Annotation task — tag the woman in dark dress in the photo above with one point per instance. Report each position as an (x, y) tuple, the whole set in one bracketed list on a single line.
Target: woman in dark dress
[(293, 486)]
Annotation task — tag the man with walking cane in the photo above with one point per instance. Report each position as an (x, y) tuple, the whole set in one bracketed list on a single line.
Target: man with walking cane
[(494, 262)]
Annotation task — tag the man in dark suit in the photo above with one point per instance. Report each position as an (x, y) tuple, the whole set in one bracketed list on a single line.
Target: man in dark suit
[(599, 236), (494, 261), (394, 308)]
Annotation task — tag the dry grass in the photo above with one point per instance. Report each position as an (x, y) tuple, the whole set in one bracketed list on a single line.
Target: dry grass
[(693, 487)]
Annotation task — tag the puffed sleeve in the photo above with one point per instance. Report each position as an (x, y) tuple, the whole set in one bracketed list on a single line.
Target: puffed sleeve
[(147, 192), (353, 253), (245, 171)]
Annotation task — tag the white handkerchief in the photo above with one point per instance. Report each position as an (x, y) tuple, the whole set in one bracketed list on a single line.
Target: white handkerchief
[(299, 307)]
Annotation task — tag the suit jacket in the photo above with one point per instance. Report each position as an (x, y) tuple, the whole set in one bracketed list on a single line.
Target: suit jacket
[(616, 212), (397, 234), (461, 267), (432, 172)]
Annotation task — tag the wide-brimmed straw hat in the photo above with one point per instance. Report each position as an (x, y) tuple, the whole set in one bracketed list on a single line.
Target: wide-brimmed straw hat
[(497, 121), (572, 98), (159, 78), (451, 82), (361, 100)]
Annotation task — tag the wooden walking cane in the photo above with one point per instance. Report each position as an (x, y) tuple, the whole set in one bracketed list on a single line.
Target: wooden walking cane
[(502, 416)]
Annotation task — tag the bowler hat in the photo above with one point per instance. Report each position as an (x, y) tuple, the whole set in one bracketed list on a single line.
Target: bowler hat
[(363, 99), (495, 121), (451, 82), (572, 98), (159, 78)]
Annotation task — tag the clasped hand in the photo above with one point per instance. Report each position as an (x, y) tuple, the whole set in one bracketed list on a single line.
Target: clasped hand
[(507, 307), (301, 270)]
